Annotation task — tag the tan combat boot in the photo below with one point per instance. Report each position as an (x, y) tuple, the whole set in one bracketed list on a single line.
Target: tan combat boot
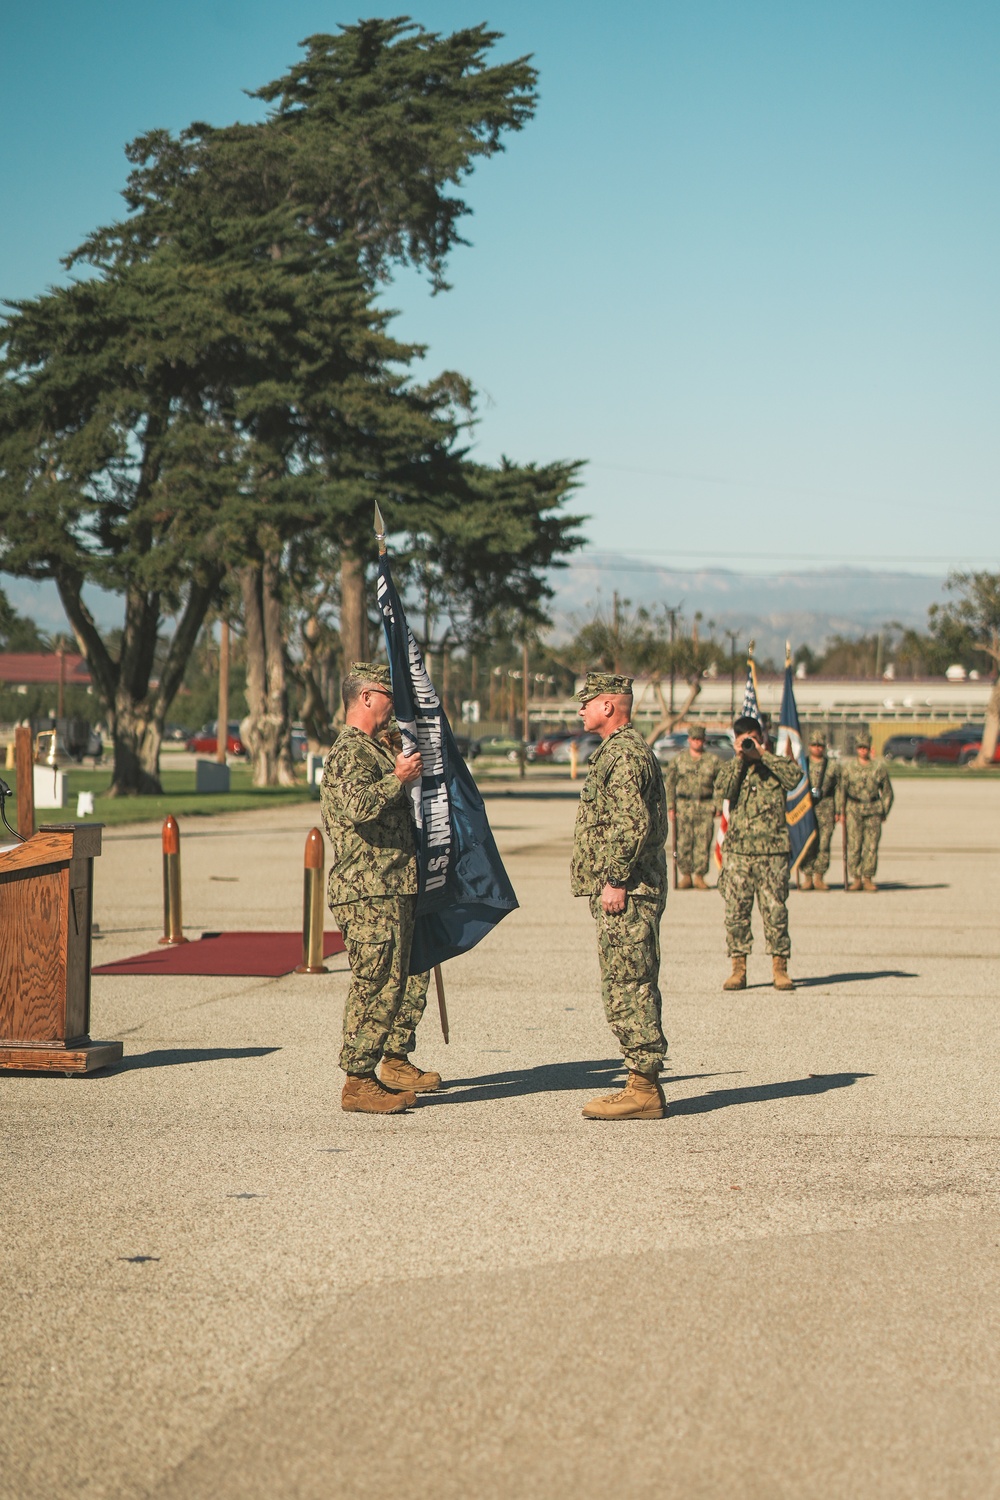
[(738, 978), (641, 1099), (699, 882), (819, 884), (855, 885), (779, 967), (684, 882), (364, 1093), (400, 1073), (868, 884), (805, 883)]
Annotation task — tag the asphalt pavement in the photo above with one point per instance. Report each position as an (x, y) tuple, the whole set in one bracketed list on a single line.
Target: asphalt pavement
[(216, 1284)]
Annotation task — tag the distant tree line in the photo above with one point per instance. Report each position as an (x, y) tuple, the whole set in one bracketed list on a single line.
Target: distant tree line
[(963, 631), (201, 420)]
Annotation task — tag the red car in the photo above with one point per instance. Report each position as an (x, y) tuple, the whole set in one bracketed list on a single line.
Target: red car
[(542, 749), (954, 747), (204, 742)]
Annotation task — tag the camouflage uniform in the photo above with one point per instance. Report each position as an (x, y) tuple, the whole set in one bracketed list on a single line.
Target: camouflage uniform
[(755, 850), (824, 778), (865, 794), (620, 837), (372, 888), (402, 1038), (689, 786)]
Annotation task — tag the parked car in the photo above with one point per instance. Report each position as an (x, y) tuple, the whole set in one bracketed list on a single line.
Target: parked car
[(467, 748), (669, 745), (500, 744), (176, 734), (543, 748), (585, 744), (901, 746), (954, 747), (205, 743)]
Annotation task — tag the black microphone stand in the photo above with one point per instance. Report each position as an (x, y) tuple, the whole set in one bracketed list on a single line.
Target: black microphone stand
[(6, 792)]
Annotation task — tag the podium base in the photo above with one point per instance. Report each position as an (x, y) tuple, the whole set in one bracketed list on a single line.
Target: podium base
[(79, 1057)]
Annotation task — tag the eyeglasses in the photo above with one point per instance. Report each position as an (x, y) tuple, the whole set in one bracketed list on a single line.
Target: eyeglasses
[(384, 691)]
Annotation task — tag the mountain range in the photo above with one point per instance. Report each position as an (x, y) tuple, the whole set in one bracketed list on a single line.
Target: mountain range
[(803, 606)]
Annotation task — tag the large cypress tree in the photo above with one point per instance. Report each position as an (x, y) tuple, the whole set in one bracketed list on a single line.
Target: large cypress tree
[(369, 134), (116, 470), (224, 385)]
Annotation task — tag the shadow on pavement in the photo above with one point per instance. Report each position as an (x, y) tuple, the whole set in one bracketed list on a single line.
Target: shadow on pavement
[(168, 1057), (906, 885), (570, 794), (888, 885), (548, 1078), (795, 1088), (801, 984)]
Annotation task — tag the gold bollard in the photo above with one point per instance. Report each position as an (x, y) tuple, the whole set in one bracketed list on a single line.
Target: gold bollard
[(173, 926), (312, 906), (573, 759)]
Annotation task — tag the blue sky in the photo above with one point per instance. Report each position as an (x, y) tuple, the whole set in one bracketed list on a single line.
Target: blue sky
[(744, 260)]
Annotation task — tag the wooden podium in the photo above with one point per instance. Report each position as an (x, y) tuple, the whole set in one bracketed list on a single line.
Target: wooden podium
[(46, 900)]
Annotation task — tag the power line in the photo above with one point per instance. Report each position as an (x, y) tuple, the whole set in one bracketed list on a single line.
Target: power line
[(867, 560), (728, 481)]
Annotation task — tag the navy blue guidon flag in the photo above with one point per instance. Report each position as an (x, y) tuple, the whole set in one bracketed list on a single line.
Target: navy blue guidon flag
[(464, 889), (799, 810)]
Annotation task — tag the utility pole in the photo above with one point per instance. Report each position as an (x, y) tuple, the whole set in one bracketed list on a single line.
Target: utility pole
[(672, 610), (222, 722), (61, 694), (524, 702), (732, 634)]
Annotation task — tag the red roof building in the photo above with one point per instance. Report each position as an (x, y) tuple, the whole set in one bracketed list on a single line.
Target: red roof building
[(48, 668)]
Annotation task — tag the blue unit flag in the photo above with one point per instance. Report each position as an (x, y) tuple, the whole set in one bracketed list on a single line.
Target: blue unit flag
[(464, 888), (799, 810)]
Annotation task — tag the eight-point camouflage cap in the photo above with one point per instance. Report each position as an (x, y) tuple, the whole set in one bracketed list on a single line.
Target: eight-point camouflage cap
[(696, 732), (862, 738), (600, 683), (817, 738), (371, 671)]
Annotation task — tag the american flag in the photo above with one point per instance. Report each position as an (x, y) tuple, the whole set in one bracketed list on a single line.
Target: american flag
[(750, 710)]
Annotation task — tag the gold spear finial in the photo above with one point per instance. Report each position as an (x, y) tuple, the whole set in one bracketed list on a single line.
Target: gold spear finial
[(750, 648), (788, 653), (379, 531)]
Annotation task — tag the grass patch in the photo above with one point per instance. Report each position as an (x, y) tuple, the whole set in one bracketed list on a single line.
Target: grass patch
[(900, 772), (178, 797)]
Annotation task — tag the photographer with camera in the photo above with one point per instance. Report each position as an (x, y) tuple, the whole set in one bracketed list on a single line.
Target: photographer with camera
[(755, 850)]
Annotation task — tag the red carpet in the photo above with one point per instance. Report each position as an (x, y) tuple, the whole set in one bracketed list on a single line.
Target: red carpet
[(267, 954)]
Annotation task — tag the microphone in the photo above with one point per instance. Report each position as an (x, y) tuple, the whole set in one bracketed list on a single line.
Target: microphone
[(6, 792)]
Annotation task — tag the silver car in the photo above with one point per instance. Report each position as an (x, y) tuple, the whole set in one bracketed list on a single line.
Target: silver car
[(669, 745), (585, 744)]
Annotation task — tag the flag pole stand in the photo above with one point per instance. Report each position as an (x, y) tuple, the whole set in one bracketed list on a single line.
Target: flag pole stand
[(442, 1008)]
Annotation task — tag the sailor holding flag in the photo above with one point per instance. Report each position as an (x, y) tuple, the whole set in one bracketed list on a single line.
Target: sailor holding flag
[(753, 789), (415, 876), (373, 884)]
